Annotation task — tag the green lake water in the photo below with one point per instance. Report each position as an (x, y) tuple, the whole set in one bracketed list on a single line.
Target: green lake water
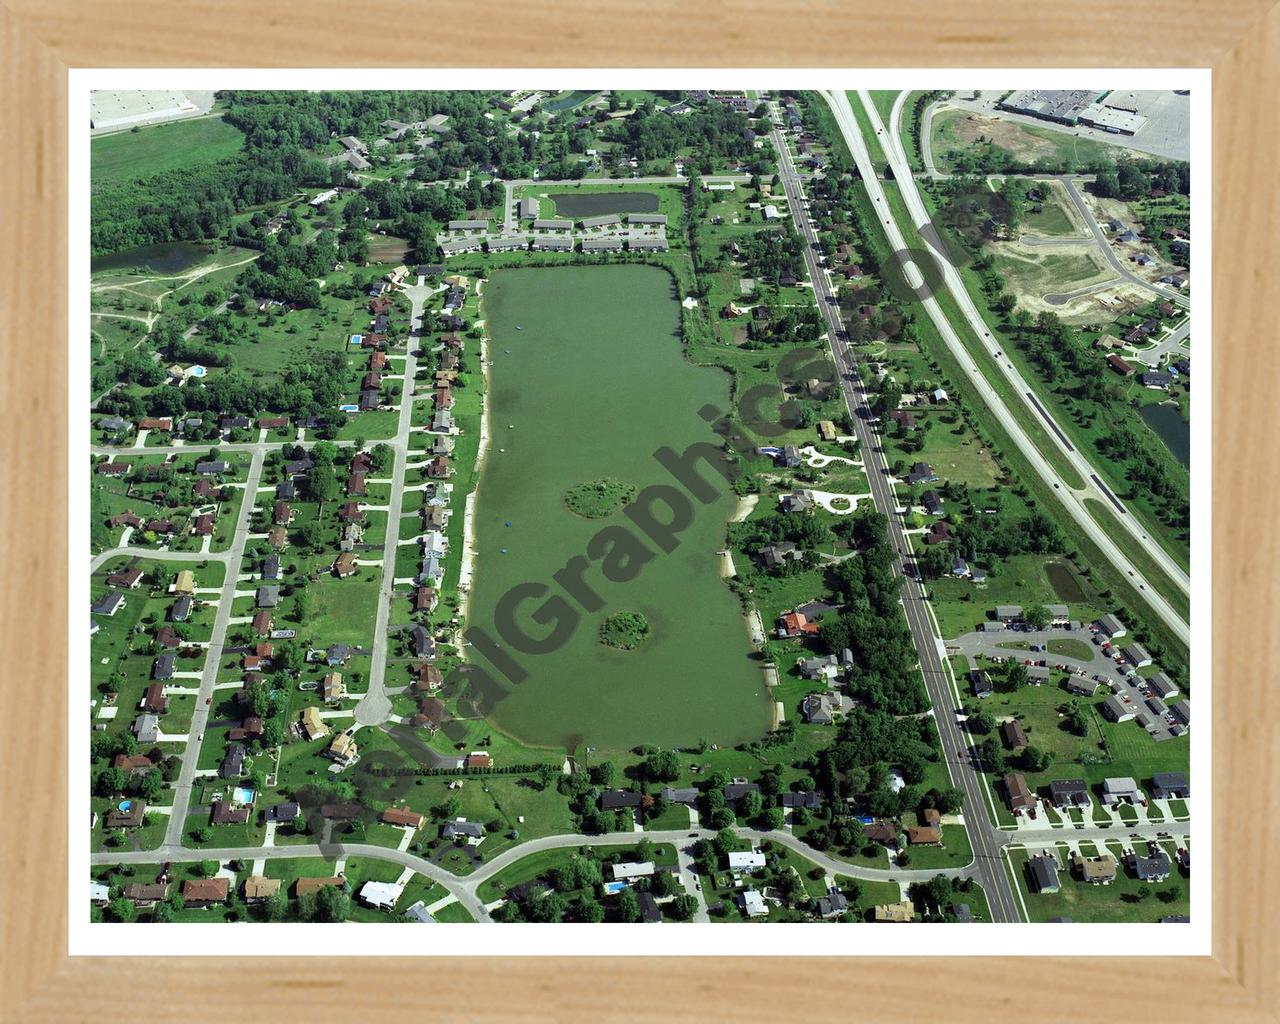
[(593, 383)]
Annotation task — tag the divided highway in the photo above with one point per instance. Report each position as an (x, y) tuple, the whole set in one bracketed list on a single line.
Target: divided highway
[(1072, 500), (897, 154)]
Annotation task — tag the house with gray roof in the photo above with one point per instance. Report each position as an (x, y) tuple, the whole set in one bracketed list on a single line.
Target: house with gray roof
[(1170, 785), (1044, 873)]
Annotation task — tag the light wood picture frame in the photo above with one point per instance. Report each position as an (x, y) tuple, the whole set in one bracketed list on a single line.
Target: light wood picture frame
[(41, 39)]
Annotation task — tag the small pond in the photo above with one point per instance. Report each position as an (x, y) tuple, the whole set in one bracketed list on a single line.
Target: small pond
[(597, 204), (1166, 420), (161, 258)]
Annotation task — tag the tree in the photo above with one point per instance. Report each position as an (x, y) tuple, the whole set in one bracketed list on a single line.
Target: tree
[(588, 909), (151, 786), (276, 905), (121, 910), (628, 906), (110, 781), (1036, 616), (662, 766), (682, 908), (983, 722), (1035, 759), (773, 819), (333, 904)]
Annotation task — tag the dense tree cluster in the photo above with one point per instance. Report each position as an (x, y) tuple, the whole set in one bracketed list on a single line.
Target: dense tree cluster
[(871, 625)]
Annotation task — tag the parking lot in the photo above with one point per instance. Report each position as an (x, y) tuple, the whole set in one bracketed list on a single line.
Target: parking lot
[(1106, 666)]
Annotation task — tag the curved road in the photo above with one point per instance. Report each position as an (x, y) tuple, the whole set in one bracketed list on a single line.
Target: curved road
[(1072, 500)]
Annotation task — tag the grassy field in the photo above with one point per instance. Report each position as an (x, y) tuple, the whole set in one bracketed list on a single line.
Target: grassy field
[(955, 130), (128, 156), (567, 420)]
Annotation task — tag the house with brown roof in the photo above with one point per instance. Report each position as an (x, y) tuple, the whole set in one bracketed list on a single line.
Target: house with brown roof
[(131, 817), (146, 894), (125, 519), (883, 832), (356, 485), (345, 565), (310, 886), (282, 514), (258, 888), (154, 700), (126, 578), (311, 724), (438, 468), (204, 892), (1012, 734), (250, 728), (132, 764), (425, 599), (156, 423), (477, 759), (1019, 796), (402, 816), (924, 835), (428, 678), (1119, 365), (350, 512), (278, 538), (262, 623), (333, 688), (431, 714), (223, 812), (273, 422)]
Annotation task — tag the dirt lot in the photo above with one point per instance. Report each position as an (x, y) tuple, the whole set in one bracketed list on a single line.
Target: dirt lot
[(1006, 135)]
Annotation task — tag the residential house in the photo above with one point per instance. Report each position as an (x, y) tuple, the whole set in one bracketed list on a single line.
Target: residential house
[(1170, 785), (1121, 790), (1099, 870), (1018, 794), (198, 893), (1043, 870), (1065, 794), (1012, 734)]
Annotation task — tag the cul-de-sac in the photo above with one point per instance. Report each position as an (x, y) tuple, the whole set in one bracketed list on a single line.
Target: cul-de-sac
[(639, 506)]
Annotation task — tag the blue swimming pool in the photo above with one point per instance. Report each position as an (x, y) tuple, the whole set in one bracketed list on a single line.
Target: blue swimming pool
[(243, 795)]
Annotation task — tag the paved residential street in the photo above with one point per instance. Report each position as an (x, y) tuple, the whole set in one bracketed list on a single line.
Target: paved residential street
[(213, 656), (374, 707), (985, 839)]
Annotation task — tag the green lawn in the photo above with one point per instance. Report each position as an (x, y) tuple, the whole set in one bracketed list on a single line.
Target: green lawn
[(1118, 902), (128, 156)]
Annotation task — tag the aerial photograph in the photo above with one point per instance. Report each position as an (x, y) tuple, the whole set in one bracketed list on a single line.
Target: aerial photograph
[(695, 506)]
